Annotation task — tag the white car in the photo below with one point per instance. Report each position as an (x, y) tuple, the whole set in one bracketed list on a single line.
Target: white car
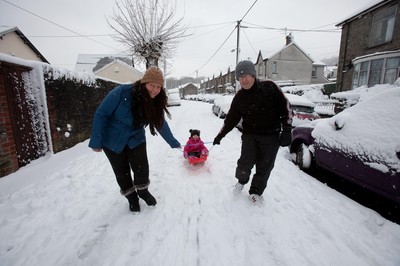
[(173, 97)]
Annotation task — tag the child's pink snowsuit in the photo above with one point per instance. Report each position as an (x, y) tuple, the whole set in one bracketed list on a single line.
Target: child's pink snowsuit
[(195, 148)]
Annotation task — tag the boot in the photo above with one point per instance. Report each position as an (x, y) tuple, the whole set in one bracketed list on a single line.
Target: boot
[(145, 195), (133, 202)]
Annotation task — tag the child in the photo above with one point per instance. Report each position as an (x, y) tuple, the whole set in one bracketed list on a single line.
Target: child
[(195, 146)]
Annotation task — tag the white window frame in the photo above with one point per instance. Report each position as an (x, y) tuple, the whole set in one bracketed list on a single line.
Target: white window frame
[(362, 69)]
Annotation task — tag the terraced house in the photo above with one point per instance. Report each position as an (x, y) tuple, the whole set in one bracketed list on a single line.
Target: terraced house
[(370, 46)]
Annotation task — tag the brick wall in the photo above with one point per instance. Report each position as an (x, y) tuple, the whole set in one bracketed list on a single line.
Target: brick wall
[(8, 153), (70, 106)]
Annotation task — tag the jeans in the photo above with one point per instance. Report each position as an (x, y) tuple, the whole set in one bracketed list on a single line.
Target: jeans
[(260, 151), (122, 163)]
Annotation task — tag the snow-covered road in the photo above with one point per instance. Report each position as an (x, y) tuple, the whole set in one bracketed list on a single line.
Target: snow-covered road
[(66, 209)]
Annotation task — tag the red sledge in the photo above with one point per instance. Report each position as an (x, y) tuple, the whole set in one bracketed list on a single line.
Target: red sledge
[(196, 160)]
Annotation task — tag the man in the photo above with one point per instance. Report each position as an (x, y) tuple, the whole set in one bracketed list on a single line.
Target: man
[(266, 125)]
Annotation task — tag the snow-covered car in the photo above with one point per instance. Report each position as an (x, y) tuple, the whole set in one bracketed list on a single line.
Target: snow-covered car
[(173, 97), (361, 144), (221, 105), (303, 110)]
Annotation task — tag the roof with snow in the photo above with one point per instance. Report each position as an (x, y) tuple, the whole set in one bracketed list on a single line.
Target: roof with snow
[(7, 30), (120, 63), (368, 7), (86, 62), (285, 47)]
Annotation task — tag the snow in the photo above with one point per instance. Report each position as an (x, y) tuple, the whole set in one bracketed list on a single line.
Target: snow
[(224, 102), (378, 140), (65, 209), (298, 100)]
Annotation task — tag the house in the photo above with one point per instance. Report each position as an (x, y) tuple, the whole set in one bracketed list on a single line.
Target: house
[(370, 46), (13, 42), (119, 71), (223, 83), (290, 65), (188, 89), (331, 73), (108, 66)]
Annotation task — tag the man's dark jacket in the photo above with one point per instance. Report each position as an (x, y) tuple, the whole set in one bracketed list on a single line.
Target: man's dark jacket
[(264, 109)]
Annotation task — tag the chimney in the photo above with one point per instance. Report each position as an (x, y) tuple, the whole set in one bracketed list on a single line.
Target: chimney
[(289, 39)]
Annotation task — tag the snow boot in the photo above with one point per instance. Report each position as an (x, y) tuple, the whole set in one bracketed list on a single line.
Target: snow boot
[(256, 199), (237, 189), (145, 195), (133, 202)]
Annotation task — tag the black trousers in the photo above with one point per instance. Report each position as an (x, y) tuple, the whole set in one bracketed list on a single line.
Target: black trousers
[(122, 163), (260, 151)]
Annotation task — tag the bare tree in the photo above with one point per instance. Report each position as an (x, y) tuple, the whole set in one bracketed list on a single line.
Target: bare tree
[(147, 28)]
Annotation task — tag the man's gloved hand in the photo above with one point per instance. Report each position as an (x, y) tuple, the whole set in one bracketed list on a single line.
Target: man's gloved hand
[(286, 137), (217, 140)]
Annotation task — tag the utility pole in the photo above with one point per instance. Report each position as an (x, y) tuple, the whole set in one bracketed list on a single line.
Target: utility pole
[(237, 51), (237, 41)]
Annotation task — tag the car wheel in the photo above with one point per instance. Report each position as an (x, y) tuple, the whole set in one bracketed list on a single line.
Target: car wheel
[(303, 157)]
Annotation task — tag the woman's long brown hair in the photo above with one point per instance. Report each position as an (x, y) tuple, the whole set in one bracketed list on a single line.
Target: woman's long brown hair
[(147, 110)]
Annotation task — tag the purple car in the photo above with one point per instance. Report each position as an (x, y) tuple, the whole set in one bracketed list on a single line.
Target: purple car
[(360, 144)]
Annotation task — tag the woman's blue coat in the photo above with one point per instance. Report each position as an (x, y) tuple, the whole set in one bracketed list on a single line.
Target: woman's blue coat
[(113, 120)]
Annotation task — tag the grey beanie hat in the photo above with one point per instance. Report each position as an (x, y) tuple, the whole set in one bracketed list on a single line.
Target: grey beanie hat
[(245, 67)]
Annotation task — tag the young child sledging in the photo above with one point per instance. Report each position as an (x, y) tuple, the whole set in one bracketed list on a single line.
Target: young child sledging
[(194, 147)]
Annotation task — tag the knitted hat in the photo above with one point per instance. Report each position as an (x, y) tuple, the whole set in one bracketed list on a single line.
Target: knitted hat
[(245, 67), (194, 132), (153, 75)]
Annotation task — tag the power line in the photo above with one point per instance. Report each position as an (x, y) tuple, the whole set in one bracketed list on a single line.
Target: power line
[(219, 48), (70, 36), (58, 25), (290, 29), (249, 10), (210, 25), (251, 45)]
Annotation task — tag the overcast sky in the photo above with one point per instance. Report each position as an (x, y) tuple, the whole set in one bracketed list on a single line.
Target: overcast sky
[(56, 28)]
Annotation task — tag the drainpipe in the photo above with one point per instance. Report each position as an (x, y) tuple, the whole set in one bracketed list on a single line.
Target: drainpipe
[(344, 57)]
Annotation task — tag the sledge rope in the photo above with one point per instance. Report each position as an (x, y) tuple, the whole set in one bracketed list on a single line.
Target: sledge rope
[(208, 142)]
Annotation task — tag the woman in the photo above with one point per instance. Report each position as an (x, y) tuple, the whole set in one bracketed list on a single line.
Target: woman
[(119, 129)]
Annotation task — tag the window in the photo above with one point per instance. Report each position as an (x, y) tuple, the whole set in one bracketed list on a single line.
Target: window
[(261, 70), (275, 67), (363, 74), (382, 26), (381, 69), (392, 70), (375, 72), (356, 72), (314, 72)]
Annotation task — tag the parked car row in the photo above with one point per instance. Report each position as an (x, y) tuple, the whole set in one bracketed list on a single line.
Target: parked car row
[(221, 105), (303, 109), (361, 144)]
